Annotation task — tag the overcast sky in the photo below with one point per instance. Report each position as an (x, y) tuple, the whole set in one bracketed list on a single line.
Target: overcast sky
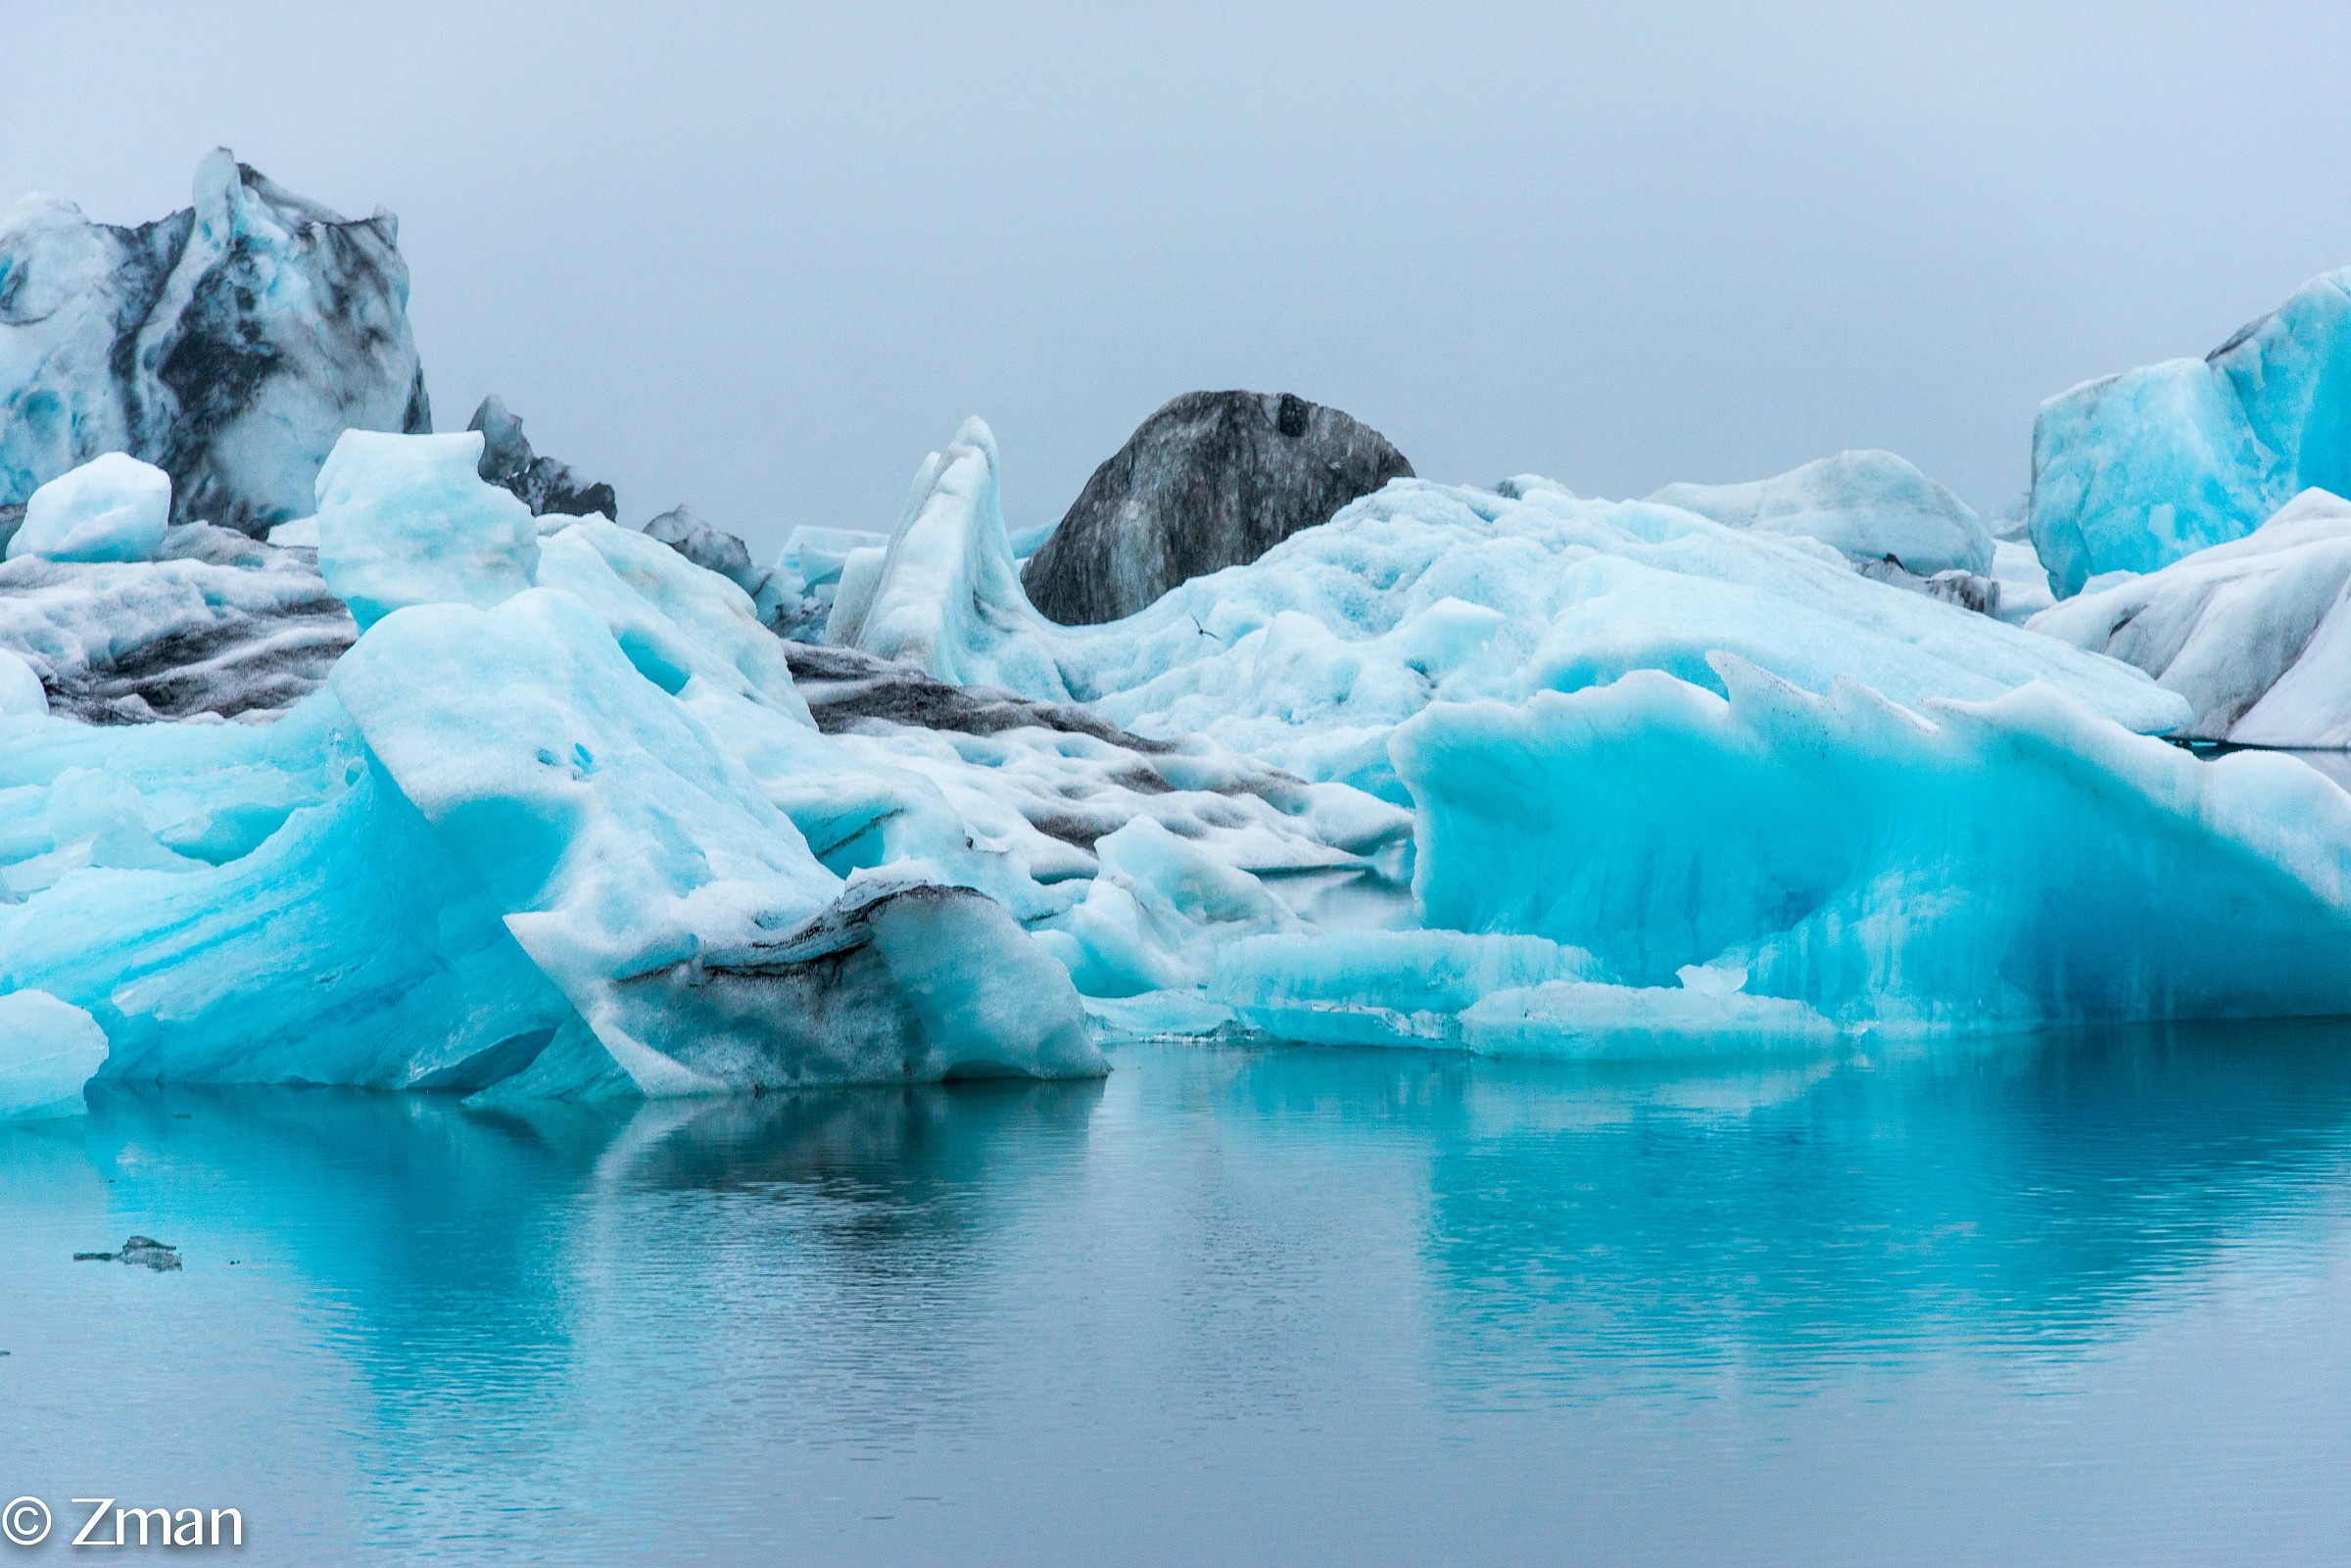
[(764, 259)]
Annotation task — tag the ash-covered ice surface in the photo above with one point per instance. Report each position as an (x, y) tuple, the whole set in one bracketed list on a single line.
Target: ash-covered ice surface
[(229, 344), (452, 783)]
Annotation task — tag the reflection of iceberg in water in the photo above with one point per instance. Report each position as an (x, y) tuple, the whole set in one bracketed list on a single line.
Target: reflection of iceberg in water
[(2019, 1195), (1220, 1267)]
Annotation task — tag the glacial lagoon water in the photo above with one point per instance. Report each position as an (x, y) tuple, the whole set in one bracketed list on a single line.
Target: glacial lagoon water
[(2079, 1300)]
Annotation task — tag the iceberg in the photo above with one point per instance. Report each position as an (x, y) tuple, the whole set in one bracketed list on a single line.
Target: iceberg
[(2136, 471), (48, 1050), (112, 508), (2254, 633), (531, 841), (1869, 507), (1983, 866), (1309, 657), (713, 549), (229, 344)]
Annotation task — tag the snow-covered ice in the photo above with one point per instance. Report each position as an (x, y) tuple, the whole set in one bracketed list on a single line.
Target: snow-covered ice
[(2254, 633), (408, 520), (1867, 506), (1310, 656), (112, 508)]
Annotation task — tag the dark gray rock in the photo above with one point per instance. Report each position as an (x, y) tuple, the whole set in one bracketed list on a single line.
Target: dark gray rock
[(713, 549), (1214, 479), (229, 344), (541, 484)]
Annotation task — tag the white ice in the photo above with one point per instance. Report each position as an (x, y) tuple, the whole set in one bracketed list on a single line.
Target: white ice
[(112, 508), (2254, 633), (1867, 506)]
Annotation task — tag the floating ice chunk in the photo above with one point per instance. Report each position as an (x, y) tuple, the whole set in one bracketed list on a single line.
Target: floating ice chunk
[(1586, 1021), (245, 904), (112, 508), (1381, 988), (1157, 908), (20, 688), (408, 520), (1997, 866), (299, 534), (1867, 506), (2137, 470), (2254, 634), (48, 1050)]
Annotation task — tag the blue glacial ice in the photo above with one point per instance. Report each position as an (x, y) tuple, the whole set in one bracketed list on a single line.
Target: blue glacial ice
[(407, 520), (551, 811), (2134, 471), (2000, 864), (112, 508)]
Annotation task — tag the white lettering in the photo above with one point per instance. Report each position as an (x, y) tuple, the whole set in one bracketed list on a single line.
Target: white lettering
[(92, 1523), (163, 1516)]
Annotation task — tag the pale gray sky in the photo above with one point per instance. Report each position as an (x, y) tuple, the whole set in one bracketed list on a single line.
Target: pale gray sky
[(761, 257)]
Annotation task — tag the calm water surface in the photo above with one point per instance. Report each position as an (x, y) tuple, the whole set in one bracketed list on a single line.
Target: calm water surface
[(2065, 1301)]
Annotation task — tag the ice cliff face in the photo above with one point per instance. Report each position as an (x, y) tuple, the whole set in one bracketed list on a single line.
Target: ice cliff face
[(229, 344), (1214, 479), (2137, 470)]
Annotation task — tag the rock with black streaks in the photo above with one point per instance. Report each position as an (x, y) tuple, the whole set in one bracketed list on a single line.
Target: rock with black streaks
[(1214, 479)]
